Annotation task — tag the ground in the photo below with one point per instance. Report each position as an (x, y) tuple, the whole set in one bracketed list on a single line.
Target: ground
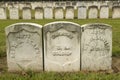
[(112, 75), (115, 64)]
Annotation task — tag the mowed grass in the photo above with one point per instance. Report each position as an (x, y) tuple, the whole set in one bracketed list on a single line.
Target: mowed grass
[(115, 23), (60, 76)]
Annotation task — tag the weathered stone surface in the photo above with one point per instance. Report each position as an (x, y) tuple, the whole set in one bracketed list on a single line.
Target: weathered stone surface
[(116, 12), (26, 13), (14, 13), (82, 12), (21, 5), (93, 12), (96, 47), (62, 46), (24, 47), (48, 13), (3, 13), (59, 13), (38, 13), (104, 12), (69, 12)]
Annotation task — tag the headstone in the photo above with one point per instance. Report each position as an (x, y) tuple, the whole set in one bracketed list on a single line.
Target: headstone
[(69, 12), (82, 12), (68, 3), (24, 47), (26, 13), (10, 4), (63, 5), (21, 6), (74, 3), (59, 13), (3, 4), (36, 4), (16, 5), (49, 4), (104, 11), (116, 12), (28, 4), (62, 46), (93, 12), (48, 13), (14, 13), (96, 47), (38, 13), (3, 13), (57, 4)]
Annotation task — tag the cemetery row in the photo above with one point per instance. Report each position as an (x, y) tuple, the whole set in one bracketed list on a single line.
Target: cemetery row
[(59, 46), (59, 13)]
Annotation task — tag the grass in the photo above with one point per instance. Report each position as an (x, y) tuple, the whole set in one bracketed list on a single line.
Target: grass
[(61, 76), (113, 22)]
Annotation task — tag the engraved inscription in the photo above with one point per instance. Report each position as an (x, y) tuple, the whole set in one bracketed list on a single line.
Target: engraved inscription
[(96, 47), (62, 48), (62, 51), (23, 40), (13, 12), (97, 42), (62, 34)]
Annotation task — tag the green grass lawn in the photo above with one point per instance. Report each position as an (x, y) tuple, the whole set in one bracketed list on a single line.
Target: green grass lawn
[(60, 76), (115, 23)]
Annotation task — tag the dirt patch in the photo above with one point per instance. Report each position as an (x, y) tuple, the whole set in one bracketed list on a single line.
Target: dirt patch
[(115, 64), (3, 64)]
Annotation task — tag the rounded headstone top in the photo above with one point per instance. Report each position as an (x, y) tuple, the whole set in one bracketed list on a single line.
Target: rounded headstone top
[(38, 8), (3, 7), (48, 7), (53, 26), (93, 6), (69, 7), (61, 23), (81, 6), (115, 7), (59, 7), (104, 6), (26, 8), (19, 26), (102, 25)]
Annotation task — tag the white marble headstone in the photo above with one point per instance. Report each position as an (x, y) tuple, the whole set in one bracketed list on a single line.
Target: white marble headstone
[(21, 5), (3, 13), (48, 13), (116, 12), (104, 12), (61, 46), (38, 13), (14, 13), (82, 12), (93, 12), (26, 13), (59, 14), (24, 47), (96, 47), (69, 12)]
